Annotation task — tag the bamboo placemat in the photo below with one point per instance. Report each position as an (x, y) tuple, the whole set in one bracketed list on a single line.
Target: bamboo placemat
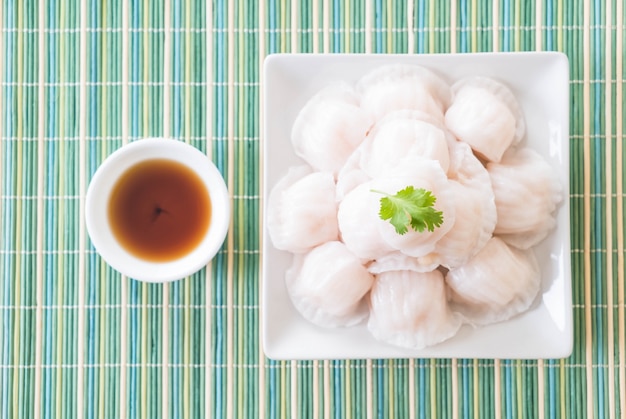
[(79, 79)]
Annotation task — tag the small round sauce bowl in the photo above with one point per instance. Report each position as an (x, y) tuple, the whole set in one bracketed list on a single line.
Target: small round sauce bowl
[(99, 224)]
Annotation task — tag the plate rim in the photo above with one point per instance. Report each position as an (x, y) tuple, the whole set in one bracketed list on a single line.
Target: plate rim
[(566, 347)]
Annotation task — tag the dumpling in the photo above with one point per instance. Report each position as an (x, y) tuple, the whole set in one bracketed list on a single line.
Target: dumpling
[(473, 227), (527, 192), (302, 211), (485, 114), (329, 127), (498, 283), (358, 222), (421, 173), (475, 215), (404, 135), (410, 309), (398, 261), (327, 286), (395, 87), (351, 175)]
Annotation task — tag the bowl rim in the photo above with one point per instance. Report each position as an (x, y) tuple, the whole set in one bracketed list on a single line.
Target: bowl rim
[(98, 194)]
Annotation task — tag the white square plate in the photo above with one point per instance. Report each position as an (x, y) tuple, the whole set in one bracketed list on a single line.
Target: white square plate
[(540, 81)]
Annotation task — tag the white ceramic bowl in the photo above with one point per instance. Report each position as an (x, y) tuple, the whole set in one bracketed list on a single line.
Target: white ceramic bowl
[(540, 82), (99, 192)]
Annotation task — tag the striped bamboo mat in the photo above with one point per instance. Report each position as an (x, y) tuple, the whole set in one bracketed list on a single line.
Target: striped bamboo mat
[(81, 78)]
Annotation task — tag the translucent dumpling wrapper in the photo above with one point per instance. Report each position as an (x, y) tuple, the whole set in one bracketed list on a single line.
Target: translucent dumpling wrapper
[(396, 87), (485, 114), (351, 175), (497, 284), (398, 261), (473, 227), (329, 127), (359, 222), (527, 191), (410, 309), (475, 214), (328, 285), (401, 136), (421, 174), (302, 211)]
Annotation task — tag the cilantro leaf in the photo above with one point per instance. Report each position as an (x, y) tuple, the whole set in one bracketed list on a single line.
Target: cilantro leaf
[(410, 207)]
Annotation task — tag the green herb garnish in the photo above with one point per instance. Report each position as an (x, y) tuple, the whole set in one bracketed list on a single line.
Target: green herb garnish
[(412, 207)]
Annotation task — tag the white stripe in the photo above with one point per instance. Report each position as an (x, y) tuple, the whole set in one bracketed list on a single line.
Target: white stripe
[(294, 26), (294, 388), (496, 29), (497, 389), (474, 30), (453, 25), (326, 388), (326, 25)]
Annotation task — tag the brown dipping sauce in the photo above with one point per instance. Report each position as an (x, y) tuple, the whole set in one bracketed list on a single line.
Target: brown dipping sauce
[(159, 210)]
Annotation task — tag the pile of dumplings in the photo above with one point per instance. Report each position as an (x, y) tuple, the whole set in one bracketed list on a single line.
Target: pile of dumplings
[(399, 126)]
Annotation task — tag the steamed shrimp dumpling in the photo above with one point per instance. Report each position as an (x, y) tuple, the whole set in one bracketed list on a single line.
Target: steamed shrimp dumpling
[(527, 192), (358, 222), (410, 309), (395, 87), (474, 222), (400, 136), (328, 284), (329, 127), (485, 114), (475, 217), (497, 284), (428, 175), (301, 211)]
